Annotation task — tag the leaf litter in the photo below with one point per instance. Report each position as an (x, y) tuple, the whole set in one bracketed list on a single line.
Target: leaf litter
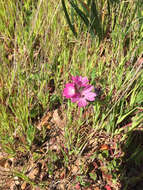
[(50, 165)]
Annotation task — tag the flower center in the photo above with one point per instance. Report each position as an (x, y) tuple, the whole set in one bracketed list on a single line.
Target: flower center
[(71, 90)]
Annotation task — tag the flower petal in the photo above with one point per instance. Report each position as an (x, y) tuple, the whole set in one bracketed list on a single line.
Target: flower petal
[(90, 96), (69, 91), (88, 89), (80, 81), (82, 102), (75, 79), (84, 81), (75, 98)]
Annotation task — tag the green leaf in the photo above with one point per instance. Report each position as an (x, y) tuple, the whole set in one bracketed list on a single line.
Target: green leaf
[(139, 97), (85, 7), (121, 118), (30, 134), (68, 18), (95, 22), (137, 120), (93, 176), (9, 150), (137, 94), (80, 13)]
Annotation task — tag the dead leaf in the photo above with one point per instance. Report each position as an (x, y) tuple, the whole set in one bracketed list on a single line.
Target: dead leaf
[(45, 121), (96, 188), (63, 174), (140, 61), (61, 186), (36, 188), (11, 185), (16, 180), (74, 169), (60, 122), (23, 186), (104, 147), (2, 162), (33, 173)]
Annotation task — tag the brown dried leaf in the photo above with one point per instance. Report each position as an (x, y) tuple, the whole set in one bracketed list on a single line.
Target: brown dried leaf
[(140, 61), (36, 188), (33, 173), (2, 162), (104, 147), (61, 186), (74, 169), (23, 186), (45, 120), (59, 121), (96, 188), (63, 174)]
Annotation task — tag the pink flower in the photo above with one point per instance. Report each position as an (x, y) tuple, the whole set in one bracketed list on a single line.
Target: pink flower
[(69, 90), (84, 96), (80, 91), (80, 81)]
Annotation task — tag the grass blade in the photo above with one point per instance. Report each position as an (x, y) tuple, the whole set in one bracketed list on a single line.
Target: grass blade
[(80, 13), (85, 7), (68, 19), (95, 21)]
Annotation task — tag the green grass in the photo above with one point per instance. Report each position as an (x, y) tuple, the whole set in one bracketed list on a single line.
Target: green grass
[(37, 47)]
